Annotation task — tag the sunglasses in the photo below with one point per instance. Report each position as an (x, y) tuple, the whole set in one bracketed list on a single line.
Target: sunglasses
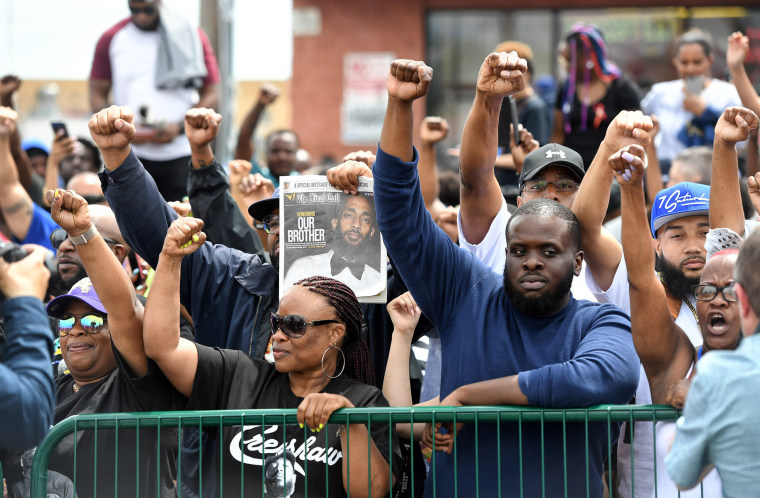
[(149, 10), (271, 223), (559, 185), (90, 322), (58, 235), (707, 292), (94, 199), (294, 325)]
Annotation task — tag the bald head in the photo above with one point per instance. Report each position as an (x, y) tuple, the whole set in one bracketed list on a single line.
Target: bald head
[(87, 184)]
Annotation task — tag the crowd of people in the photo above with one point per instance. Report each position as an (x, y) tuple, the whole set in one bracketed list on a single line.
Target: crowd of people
[(595, 261)]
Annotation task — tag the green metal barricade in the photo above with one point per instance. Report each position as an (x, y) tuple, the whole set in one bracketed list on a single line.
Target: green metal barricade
[(522, 420)]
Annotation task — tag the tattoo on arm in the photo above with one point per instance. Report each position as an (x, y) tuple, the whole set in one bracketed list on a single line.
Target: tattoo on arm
[(15, 208)]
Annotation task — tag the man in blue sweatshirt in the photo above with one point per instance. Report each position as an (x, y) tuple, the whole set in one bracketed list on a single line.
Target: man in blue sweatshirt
[(523, 340)]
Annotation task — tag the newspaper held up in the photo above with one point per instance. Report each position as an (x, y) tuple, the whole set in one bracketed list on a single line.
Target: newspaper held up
[(328, 233)]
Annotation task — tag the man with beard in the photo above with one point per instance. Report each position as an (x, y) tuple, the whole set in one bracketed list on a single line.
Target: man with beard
[(354, 230), (516, 339)]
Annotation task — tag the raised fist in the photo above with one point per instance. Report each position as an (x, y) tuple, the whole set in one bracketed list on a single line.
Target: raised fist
[(69, 210), (738, 46), (527, 145), (433, 130), (8, 118), (201, 126), (629, 127), (112, 129), (628, 165), (268, 94), (502, 74), (409, 80), (9, 84), (183, 237), (735, 125)]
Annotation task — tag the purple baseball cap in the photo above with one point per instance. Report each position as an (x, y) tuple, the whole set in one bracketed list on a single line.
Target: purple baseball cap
[(81, 291)]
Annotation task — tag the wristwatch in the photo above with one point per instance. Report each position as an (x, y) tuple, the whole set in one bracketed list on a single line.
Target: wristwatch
[(85, 237)]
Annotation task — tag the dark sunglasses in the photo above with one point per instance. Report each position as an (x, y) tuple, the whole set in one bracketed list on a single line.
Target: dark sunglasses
[(294, 325), (559, 185), (91, 323), (58, 235), (271, 223), (707, 292), (149, 10), (94, 199)]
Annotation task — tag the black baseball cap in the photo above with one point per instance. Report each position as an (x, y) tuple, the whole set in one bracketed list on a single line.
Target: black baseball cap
[(551, 155), (261, 209)]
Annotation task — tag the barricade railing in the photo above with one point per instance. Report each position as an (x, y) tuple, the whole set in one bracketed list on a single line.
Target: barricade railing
[(479, 418)]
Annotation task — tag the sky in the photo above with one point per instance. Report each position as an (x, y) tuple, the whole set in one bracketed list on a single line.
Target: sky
[(55, 39)]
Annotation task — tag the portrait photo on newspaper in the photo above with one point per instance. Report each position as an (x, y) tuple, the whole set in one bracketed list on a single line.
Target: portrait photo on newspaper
[(326, 232)]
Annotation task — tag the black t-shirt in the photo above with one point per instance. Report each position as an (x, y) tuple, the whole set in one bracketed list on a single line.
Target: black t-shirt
[(622, 95), (114, 461), (228, 379)]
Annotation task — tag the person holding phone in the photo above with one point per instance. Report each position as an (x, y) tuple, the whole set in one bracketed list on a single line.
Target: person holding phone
[(689, 107)]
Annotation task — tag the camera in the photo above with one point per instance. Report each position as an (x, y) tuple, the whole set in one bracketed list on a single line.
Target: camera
[(11, 253)]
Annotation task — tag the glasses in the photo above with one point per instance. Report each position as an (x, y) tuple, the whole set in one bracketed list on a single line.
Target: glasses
[(91, 323), (707, 292), (559, 185), (58, 235), (149, 10), (294, 325), (271, 223), (94, 199)]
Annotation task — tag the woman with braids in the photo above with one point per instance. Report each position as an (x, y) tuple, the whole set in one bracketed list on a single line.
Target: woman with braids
[(593, 94), (321, 364)]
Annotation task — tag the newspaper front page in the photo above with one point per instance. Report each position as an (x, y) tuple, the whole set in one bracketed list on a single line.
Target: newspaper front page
[(328, 233)]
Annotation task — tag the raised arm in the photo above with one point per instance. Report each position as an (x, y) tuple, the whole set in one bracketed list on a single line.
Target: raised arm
[(405, 314), (660, 344), (600, 249), (244, 148), (176, 357), (15, 203), (209, 187), (111, 282), (480, 193), (432, 131), (725, 198), (738, 47)]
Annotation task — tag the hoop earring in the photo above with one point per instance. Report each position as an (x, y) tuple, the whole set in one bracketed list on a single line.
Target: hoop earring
[(323, 361)]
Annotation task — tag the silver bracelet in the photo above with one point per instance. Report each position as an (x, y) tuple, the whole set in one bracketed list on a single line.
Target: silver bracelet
[(85, 237)]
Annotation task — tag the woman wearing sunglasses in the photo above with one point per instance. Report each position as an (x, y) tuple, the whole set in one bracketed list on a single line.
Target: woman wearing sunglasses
[(320, 363), (99, 322)]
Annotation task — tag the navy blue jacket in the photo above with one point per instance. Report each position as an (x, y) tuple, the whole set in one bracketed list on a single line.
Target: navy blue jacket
[(228, 293)]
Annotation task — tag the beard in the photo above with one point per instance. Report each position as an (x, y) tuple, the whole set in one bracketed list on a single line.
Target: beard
[(543, 304), (674, 279), (347, 251), (60, 285)]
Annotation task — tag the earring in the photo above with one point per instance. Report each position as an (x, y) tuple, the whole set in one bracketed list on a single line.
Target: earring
[(323, 361)]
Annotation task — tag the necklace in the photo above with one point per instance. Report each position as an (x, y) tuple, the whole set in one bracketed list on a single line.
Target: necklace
[(75, 387), (693, 312)]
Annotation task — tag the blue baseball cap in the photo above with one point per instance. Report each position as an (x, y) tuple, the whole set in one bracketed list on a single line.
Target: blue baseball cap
[(683, 199), (33, 143), (261, 209), (81, 291)]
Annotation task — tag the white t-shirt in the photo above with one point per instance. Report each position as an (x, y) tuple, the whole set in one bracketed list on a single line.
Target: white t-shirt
[(492, 251), (666, 101), (133, 53)]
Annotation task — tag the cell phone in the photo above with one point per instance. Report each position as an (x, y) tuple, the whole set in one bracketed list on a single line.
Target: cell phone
[(515, 119), (695, 84), (59, 125)]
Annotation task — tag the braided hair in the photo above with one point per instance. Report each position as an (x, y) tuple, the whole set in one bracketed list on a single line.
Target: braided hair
[(358, 360)]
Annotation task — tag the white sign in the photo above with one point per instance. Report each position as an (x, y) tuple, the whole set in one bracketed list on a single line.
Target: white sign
[(365, 96)]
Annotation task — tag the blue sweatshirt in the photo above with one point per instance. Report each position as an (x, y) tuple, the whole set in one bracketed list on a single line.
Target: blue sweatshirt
[(580, 356), (27, 390)]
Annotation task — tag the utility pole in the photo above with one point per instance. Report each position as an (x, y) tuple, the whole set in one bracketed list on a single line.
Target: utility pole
[(217, 21)]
